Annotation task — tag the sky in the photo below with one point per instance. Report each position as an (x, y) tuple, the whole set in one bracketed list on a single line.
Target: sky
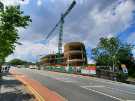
[(88, 21)]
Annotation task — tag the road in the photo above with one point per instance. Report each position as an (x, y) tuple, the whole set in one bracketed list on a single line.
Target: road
[(80, 88)]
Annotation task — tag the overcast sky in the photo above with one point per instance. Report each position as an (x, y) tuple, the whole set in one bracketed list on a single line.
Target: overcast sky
[(87, 22)]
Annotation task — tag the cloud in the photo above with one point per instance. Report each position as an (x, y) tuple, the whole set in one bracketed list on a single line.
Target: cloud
[(133, 51), (88, 21), (31, 51), (106, 23), (15, 2), (99, 21), (91, 61), (39, 2), (131, 38)]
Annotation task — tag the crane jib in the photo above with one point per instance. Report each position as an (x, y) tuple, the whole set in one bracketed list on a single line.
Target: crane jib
[(69, 9), (62, 17)]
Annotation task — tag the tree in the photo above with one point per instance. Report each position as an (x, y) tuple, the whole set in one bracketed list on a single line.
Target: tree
[(11, 19), (112, 52), (18, 62)]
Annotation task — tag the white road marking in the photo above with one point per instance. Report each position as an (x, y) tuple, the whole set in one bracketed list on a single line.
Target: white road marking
[(94, 86), (130, 100), (107, 81), (65, 79), (103, 93), (120, 90)]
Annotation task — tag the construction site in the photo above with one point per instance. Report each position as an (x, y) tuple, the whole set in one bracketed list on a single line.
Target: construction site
[(74, 55), (70, 57)]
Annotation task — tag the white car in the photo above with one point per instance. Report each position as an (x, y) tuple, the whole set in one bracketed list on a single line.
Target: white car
[(32, 66)]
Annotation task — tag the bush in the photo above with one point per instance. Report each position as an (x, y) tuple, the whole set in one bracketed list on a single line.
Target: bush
[(122, 77)]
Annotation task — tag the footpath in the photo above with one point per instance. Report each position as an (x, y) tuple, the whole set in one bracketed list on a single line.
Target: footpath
[(12, 89), (131, 81)]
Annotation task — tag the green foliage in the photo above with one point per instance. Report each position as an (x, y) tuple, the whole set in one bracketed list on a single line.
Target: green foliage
[(131, 68), (121, 76), (91, 65), (18, 62), (112, 52), (11, 19)]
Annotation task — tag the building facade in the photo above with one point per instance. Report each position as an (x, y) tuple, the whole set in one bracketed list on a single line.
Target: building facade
[(74, 55)]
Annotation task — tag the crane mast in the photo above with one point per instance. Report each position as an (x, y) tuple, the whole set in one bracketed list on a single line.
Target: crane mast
[(60, 36)]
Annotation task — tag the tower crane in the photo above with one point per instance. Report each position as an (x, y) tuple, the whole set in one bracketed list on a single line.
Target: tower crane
[(60, 25)]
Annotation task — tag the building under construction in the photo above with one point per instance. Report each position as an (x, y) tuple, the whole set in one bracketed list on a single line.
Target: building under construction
[(74, 55), (52, 59)]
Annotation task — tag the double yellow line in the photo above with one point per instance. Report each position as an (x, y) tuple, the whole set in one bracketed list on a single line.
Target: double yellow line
[(32, 90), (35, 93)]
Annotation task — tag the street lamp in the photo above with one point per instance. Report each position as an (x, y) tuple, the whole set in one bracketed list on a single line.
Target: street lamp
[(114, 57), (37, 60), (38, 57)]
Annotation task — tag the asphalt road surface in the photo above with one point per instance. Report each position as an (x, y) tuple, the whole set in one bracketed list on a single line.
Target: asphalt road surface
[(79, 88)]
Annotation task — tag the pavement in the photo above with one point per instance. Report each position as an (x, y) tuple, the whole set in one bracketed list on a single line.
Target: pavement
[(13, 90), (131, 81)]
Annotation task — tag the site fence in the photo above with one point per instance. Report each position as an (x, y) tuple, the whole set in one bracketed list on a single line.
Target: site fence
[(98, 71)]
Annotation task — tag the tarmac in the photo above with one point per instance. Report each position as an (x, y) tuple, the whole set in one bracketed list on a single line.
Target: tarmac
[(81, 88)]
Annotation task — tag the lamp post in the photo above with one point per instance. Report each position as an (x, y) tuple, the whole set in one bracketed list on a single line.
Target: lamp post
[(37, 60), (114, 58), (38, 57)]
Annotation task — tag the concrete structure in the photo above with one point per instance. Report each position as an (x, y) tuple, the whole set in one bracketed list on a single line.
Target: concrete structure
[(51, 59), (75, 54)]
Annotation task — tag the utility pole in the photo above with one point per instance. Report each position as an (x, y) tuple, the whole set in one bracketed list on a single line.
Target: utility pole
[(114, 57), (37, 61)]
